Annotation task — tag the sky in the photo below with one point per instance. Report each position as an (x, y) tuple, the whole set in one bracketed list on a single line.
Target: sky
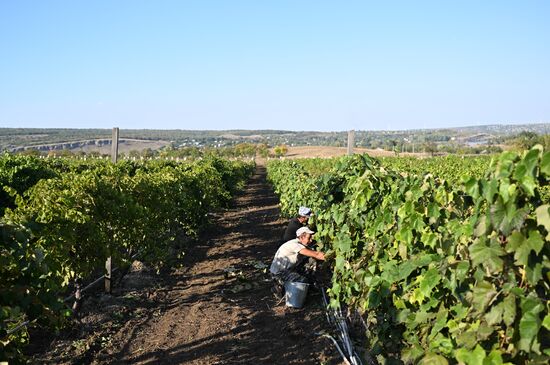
[(292, 65)]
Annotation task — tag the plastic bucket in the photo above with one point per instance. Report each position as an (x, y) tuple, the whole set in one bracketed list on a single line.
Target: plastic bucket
[(295, 294)]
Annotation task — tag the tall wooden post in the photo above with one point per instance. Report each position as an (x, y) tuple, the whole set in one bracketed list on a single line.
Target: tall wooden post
[(114, 146), (351, 142), (108, 263), (108, 275)]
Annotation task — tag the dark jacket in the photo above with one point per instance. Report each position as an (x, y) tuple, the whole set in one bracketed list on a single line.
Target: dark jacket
[(290, 232)]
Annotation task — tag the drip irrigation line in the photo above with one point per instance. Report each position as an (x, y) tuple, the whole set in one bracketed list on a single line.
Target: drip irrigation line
[(344, 331), (337, 346), (335, 317), (325, 302), (333, 321), (88, 286), (17, 328), (98, 280), (364, 324)]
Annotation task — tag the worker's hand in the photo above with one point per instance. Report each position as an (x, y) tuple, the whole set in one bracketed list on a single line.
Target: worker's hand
[(330, 255)]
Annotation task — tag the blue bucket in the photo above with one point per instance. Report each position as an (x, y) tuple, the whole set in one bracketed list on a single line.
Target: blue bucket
[(295, 294)]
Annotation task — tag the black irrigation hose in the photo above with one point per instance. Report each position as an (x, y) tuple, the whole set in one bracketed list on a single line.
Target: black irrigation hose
[(98, 280), (17, 328), (336, 319), (337, 346)]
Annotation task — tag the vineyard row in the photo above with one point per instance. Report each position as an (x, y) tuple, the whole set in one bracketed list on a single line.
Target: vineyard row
[(62, 218), (441, 272)]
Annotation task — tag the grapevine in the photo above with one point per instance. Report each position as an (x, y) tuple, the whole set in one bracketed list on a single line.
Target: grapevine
[(443, 273)]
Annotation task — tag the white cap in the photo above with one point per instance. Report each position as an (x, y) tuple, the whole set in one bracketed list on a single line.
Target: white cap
[(304, 212), (303, 230)]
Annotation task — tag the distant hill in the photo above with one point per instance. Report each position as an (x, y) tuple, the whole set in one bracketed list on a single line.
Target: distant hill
[(17, 139)]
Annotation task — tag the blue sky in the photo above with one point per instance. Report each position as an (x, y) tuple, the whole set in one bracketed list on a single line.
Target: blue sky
[(295, 65)]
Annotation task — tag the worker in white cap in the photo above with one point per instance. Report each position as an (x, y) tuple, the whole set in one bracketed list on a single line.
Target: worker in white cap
[(286, 265)]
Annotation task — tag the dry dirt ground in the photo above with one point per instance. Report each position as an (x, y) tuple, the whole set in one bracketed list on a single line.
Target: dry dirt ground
[(328, 151), (214, 307)]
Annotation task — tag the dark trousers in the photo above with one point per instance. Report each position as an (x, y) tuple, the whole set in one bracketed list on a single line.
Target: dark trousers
[(302, 273), (290, 276)]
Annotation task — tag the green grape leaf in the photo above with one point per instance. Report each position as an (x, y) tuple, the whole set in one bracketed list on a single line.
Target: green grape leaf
[(494, 358), (522, 247), (488, 256), (344, 243), (545, 164), (410, 354), (403, 250), (543, 218), (339, 263), (416, 296), (494, 316), (467, 339), (482, 295), (422, 316), (429, 281), (433, 359), (505, 190), (405, 269), (530, 160), (506, 217), (429, 239), (546, 322), (525, 171), (509, 309), (471, 187), (460, 311), (404, 235), (505, 164), (433, 210), (462, 270), (390, 271), (440, 322), (470, 357), (481, 227), (483, 332), (533, 273), (530, 322), (490, 188), (529, 185)]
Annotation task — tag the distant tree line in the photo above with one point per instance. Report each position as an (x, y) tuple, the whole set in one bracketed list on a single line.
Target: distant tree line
[(526, 140)]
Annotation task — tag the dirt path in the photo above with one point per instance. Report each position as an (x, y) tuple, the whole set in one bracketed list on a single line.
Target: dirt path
[(218, 308)]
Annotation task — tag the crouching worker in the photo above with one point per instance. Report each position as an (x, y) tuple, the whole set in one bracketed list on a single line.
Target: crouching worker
[(287, 265)]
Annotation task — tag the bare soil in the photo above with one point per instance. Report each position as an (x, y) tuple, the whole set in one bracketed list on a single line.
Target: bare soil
[(329, 151), (214, 306)]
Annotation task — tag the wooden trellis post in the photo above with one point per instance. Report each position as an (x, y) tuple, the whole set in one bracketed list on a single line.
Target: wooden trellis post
[(108, 263), (351, 141), (114, 146)]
